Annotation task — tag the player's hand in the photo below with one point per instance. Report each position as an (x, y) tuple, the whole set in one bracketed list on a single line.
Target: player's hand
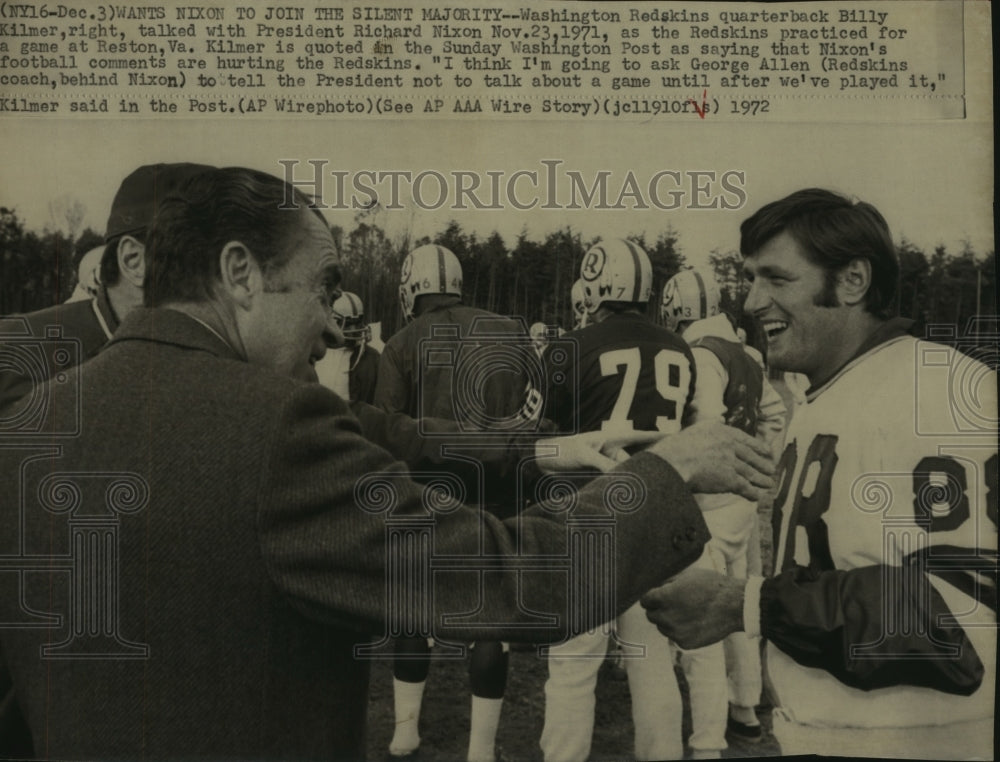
[(595, 449), (697, 607), (713, 457)]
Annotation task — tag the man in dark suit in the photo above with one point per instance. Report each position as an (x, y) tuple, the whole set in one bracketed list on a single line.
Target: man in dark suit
[(91, 322), (83, 326), (201, 536)]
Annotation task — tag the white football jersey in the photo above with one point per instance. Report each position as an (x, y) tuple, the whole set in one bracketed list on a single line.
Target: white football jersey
[(896, 455)]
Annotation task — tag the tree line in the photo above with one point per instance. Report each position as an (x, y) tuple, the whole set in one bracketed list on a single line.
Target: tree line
[(531, 278)]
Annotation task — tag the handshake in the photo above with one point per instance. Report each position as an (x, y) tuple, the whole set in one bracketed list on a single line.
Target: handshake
[(698, 606), (710, 457)]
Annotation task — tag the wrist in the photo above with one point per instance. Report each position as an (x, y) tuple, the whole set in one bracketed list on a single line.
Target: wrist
[(546, 451), (673, 458)]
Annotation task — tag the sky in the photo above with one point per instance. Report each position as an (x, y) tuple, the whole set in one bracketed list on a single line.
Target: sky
[(932, 181), (931, 178)]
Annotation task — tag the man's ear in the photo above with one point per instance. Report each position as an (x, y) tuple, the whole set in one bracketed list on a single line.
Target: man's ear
[(131, 260), (853, 281), (242, 278)]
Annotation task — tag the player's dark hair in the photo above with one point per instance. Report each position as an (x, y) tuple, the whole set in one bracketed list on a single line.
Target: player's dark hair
[(193, 224), (832, 230), (110, 272)]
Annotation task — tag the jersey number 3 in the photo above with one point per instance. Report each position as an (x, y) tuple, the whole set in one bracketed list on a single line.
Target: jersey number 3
[(673, 377)]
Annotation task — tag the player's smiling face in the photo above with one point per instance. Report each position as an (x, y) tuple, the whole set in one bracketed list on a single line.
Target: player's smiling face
[(786, 294)]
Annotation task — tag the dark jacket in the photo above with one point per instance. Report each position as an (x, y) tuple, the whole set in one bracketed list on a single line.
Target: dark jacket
[(33, 348), (240, 556), (30, 348), (456, 362)]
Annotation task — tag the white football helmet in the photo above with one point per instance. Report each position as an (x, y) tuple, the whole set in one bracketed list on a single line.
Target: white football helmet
[(349, 313), (688, 296), (88, 276), (579, 307), (615, 271), (429, 269), (539, 335)]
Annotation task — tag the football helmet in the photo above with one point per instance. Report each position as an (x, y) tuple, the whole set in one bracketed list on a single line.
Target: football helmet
[(429, 269), (349, 313), (615, 271), (688, 296), (539, 333), (579, 308), (88, 274)]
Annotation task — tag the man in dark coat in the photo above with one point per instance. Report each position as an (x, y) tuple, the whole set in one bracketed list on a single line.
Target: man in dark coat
[(88, 324), (44, 344), (202, 537)]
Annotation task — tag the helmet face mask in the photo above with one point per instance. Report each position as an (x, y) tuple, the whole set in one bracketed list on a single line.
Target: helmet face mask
[(349, 314), (615, 271), (429, 269), (354, 329), (689, 296)]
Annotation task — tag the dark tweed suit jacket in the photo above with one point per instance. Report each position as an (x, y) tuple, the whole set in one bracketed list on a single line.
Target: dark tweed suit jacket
[(89, 324), (85, 326), (242, 570)]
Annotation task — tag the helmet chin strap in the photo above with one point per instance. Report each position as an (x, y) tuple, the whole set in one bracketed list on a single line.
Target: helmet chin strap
[(362, 344)]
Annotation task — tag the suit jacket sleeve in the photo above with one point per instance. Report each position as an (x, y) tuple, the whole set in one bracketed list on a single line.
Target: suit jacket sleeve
[(327, 493), (821, 618), (422, 444)]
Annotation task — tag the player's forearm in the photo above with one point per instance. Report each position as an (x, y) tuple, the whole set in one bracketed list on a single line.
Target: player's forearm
[(870, 627), (771, 423), (708, 404)]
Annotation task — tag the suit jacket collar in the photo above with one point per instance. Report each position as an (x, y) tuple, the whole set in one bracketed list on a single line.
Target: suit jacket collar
[(105, 315), (167, 326)]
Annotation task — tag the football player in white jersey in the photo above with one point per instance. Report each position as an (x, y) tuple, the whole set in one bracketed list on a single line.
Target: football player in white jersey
[(881, 620), (732, 388), (632, 375), (352, 369)]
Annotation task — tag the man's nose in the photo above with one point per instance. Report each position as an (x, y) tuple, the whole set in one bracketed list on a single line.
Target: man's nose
[(757, 300)]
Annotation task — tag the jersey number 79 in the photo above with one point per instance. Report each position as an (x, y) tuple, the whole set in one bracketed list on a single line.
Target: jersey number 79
[(672, 376)]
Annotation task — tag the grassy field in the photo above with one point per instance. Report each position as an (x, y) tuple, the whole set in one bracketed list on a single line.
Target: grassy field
[(444, 726)]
